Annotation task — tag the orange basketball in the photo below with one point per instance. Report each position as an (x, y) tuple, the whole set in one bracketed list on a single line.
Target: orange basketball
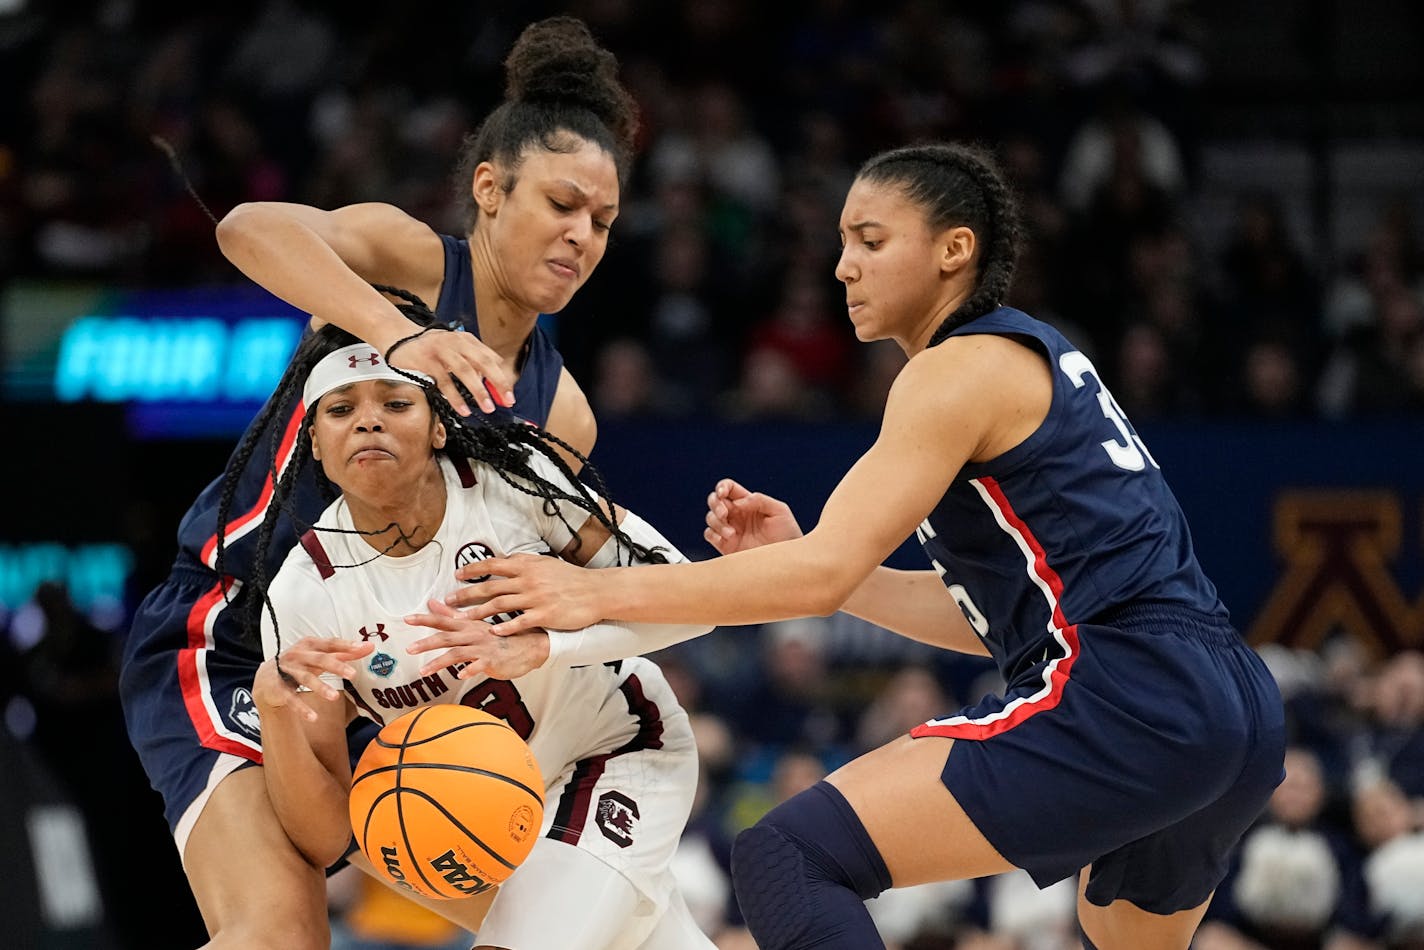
[(447, 801)]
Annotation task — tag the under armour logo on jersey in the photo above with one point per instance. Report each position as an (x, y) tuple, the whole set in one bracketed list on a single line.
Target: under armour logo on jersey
[(380, 632), (373, 358)]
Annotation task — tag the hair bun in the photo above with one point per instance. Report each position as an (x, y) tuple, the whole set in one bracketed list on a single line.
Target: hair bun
[(557, 60)]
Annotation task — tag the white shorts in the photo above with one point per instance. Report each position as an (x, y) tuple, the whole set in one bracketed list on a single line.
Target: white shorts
[(625, 809), (563, 898)]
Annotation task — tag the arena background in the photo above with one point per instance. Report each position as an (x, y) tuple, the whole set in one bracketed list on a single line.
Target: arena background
[(1224, 203)]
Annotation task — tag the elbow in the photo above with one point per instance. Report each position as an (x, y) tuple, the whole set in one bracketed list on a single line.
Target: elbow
[(825, 582), (325, 852), (831, 595), (238, 225)]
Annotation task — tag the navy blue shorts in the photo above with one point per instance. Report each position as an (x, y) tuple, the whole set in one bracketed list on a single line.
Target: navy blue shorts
[(1146, 749), (186, 681)]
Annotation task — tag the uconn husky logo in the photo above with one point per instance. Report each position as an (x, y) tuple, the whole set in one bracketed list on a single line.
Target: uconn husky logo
[(243, 713)]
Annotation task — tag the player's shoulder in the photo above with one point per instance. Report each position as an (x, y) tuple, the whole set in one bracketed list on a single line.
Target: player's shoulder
[(508, 488), (966, 366), (571, 415), (304, 574), (979, 384), (380, 214)]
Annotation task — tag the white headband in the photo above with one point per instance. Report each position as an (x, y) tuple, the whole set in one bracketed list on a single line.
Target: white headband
[(350, 364)]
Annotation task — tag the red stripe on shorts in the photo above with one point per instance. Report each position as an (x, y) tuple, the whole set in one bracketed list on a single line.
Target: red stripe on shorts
[(191, 681), (1066, 634), (577, 796)]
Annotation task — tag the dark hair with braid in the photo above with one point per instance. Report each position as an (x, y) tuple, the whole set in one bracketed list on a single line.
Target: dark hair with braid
[(504, 447), (959, 186), (559, 83)]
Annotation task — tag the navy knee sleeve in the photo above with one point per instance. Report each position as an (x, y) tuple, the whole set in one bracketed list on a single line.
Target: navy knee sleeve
[(803, 873)]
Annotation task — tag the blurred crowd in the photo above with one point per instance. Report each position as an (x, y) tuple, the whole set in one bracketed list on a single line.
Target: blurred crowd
[(717, 297), (717, 294)]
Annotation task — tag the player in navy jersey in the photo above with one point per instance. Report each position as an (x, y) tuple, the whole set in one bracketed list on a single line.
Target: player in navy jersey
[(1137, 736), (544, 172)]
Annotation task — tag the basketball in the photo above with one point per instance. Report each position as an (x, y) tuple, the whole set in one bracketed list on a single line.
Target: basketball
[(446, 801)]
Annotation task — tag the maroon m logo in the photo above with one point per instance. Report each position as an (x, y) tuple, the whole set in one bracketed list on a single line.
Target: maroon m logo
[(1338, 548)]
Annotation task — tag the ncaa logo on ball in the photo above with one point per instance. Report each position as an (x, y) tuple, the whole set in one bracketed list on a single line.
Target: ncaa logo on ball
[(469, 554), (521, 822), (382, 664)]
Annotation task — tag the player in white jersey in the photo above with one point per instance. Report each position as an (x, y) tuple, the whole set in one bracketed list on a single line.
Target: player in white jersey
[(421, 496)]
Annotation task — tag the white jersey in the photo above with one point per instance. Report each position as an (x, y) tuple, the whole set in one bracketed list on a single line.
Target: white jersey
[(563, 713), (591, 727)]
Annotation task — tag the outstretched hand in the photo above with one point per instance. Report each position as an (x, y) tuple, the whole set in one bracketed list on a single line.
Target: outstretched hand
[(447, 357), (738, 520), (551, 593), (281, 680), (473, 643)]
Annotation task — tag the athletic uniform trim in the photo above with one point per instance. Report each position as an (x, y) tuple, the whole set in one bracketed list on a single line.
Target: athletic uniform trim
[(360, 701), (574, 801), (311, 543), (193, 677), (244, 523), (463, 470), (1056, 673)]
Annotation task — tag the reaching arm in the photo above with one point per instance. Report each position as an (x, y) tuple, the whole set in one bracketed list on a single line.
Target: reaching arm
[(968, 398), (602, 642), (914, 604), (324, 262), (471, 641)]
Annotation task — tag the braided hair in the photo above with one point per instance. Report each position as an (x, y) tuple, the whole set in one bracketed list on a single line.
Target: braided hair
[(560, 86), (505, 447), (959, 186)]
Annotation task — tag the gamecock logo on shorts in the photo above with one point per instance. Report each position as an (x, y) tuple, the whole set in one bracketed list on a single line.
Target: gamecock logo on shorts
[(616, 816)]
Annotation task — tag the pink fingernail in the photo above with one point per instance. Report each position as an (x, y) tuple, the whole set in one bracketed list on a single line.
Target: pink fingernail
[(495, 394)]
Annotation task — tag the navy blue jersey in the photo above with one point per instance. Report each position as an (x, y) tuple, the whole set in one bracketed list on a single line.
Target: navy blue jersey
[(1070, 525), (540, 367)]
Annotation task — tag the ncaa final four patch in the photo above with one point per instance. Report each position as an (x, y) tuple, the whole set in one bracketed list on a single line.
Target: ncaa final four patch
[(381, 664)]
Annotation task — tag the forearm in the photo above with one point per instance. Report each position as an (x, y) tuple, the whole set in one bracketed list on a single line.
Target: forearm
[(605, 642), (914, 604), (308, 799), (273, 246), (797, 578)]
